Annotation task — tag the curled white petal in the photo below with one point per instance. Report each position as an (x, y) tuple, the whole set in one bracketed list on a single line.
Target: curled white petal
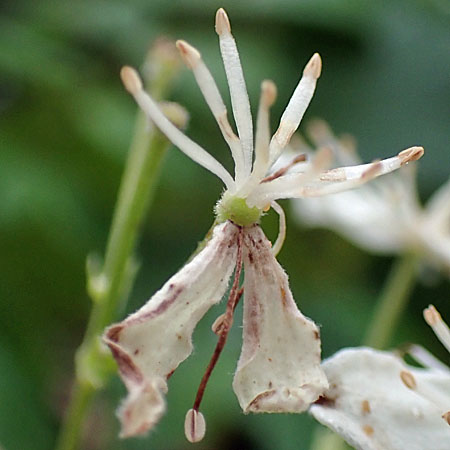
[(150, 344), (186, 145), (372, 408), (143, 407), (279, 367), (238, 90)]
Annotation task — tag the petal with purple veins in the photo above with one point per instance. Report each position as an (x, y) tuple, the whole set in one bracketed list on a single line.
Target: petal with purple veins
[(279, 368)]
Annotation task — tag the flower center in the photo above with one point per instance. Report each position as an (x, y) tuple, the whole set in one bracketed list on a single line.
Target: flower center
[(233, 208)]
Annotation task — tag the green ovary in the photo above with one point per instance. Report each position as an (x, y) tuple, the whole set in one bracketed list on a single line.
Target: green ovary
[(236, 209)]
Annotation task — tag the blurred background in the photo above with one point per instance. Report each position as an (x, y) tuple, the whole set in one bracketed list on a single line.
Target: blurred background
[(65, 127)]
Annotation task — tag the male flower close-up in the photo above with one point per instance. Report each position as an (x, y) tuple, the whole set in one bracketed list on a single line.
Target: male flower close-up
[(279, 368)]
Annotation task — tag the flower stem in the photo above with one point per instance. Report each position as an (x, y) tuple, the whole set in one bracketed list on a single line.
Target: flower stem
[(392, 302), (109, 284)]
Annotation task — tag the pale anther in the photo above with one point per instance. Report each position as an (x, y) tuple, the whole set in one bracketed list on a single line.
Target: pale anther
[(408, 379), (194, 426), (222, 22), (131, 80)]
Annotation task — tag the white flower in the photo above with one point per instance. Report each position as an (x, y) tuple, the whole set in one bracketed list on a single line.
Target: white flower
[(279, 367), (376, 401), (384, 216)]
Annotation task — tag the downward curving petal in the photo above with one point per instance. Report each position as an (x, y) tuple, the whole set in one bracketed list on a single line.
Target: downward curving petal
[(150, 344), (279, 368)]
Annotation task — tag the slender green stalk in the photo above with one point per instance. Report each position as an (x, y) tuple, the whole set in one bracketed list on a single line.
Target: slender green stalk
[(108, 284), (392, 302)]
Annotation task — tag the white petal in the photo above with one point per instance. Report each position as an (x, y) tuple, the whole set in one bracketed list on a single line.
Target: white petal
[(279, 368), (150, 344), (214, 100), (299, 102), (370, 406), (143, 407), (438, 207), (236, 83), (133, 84)]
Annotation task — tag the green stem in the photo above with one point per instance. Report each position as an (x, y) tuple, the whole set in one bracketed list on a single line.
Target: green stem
[(392, 302), (109, 284)]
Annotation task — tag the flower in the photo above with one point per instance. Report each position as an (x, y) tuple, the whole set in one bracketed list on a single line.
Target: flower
[(382, 217), (376, 400), (279, 367)]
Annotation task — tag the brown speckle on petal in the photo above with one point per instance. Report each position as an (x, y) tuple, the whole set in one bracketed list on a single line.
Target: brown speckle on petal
[(368, 430), (365, 407), (446, 417)]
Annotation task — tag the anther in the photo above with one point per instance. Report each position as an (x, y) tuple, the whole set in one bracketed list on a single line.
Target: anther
[(131, 80), (222, 22), (314, 66), (411, 154), (408, 379), (194, 426)]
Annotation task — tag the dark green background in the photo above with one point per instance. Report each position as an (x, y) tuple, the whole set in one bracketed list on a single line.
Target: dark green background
[(65, 126)]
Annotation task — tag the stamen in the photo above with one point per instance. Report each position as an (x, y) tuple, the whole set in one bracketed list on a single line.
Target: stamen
[(293, 114), (194, 426), (280, 172), (211, 93), (282, 230), (226, 326), (217, 325), (425, 358), (238, 90), (421, 389), (133, 84), (440, 328)]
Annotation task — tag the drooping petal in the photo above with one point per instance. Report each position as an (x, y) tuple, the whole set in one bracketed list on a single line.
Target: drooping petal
[(279, 367), (238, 89), (133, 84), (210, 91), (376, 401), (299, 102), (150, 344)]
